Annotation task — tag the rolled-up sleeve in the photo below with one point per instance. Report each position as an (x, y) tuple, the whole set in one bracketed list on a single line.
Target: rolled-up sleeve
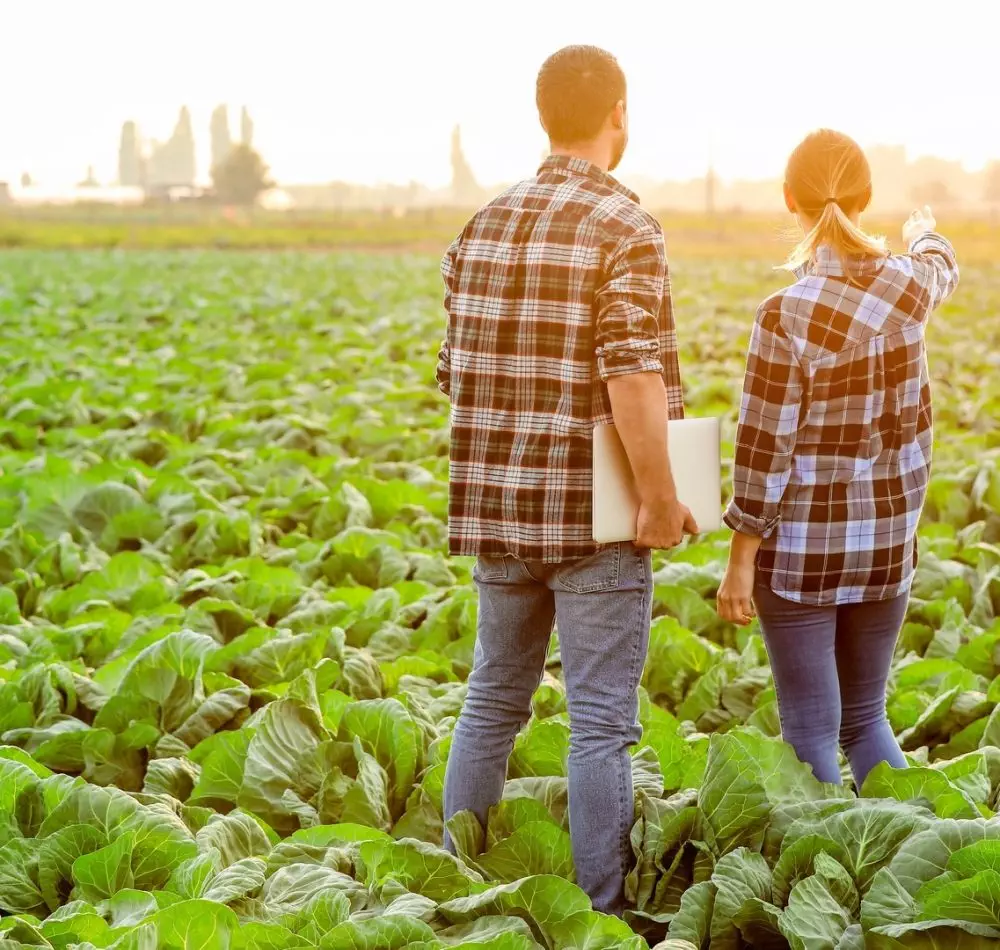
[(628, 304), (768, 425), (448, 273), (935, 268)]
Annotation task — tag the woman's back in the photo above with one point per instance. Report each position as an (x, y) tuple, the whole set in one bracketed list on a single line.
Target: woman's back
[(833, 458), (835, 446)]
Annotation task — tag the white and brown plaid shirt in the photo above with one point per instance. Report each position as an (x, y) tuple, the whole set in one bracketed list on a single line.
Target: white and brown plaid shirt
[(833, 450), (551, 289)]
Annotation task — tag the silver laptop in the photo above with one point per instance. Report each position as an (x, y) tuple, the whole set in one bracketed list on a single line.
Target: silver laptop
[(696, 461)]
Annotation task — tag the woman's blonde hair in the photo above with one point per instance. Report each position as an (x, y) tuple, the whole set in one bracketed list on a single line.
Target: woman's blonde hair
[(829, 178)]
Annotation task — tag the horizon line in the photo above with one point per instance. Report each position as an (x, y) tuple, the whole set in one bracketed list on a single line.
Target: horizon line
[(647, 177)]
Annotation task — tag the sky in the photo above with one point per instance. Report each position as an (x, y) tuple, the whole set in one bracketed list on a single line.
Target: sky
[(370, 91)]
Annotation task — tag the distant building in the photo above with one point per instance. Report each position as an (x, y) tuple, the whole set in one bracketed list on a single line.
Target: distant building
[(172, 164), (276, 199), (38, 196), (5, 198)]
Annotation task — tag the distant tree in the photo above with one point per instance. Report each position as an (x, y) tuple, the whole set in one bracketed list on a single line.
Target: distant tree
[(246, 128), (183, 143), (241, 177), (222, 140), (992, 190), (26, 180), (934, 192)]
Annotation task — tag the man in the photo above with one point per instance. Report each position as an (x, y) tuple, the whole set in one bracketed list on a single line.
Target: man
[(559, 318)]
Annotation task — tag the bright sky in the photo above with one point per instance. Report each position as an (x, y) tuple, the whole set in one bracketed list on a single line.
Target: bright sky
[(369, 91)]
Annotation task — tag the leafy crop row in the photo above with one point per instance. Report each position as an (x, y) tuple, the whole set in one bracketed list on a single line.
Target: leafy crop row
[(232, 651)]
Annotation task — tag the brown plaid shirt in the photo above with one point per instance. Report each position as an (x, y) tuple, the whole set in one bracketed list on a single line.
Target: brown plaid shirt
[(551, 289), (833, 450)]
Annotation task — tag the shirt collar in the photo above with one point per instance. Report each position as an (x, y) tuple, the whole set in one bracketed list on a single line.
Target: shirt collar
[(827, 263), (568, 166)]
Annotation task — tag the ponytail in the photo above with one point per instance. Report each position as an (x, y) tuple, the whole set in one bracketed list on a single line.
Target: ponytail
[(828, 179), (836, 230)]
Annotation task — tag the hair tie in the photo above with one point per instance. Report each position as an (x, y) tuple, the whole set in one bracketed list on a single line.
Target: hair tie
[(831, 200)]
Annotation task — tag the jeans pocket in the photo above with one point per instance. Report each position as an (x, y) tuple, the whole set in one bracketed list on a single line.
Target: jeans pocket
[(489, 567), (589, 575)]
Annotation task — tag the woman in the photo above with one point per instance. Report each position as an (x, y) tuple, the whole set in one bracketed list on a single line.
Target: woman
[(832, 460)]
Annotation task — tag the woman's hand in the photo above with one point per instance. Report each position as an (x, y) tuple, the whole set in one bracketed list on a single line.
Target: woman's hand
[(920, 222), (735, 599)]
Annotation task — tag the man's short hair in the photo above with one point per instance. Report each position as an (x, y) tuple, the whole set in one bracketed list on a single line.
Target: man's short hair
[(576, 90)]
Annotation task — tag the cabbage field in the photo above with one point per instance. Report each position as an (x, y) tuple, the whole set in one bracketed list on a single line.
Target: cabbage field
[(232, 650)]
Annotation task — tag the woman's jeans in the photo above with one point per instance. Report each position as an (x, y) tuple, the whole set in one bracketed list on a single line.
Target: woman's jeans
[(830, 668), (602, 607)]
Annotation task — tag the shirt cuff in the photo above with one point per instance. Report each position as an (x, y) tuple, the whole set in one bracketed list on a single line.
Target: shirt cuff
[(626, 359), (931, 241), (753, 525)]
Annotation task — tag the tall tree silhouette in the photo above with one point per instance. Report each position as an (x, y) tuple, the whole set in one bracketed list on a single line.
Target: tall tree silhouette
[(464, 188), (246, 128), (222, 140), (130, 165), (241, 177)]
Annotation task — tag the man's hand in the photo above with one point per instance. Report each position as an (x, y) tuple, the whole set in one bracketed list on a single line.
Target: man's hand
[(735, 598), (639, 405), (663, 525), (920, 222)]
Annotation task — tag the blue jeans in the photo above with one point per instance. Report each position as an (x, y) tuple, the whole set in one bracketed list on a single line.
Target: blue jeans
[(830, 668), (602, 607)]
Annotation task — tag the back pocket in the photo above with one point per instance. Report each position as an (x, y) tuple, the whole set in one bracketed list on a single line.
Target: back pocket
[(600, 571), (489, 567)]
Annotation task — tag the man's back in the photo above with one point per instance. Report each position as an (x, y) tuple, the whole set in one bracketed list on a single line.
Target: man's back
[(553, 288), (559, 318)]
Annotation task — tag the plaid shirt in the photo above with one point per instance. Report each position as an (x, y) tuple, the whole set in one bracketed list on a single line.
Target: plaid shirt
[(551, 289), (833, 449)]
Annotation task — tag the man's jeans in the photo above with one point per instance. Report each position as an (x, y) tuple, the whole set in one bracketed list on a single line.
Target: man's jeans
[(602, 607)]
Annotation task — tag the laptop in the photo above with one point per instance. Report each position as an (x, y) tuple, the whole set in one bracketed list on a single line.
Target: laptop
[(696, 461)]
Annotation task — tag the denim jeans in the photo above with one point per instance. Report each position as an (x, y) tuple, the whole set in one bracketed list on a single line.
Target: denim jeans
[(602, 608), (830, 668)]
